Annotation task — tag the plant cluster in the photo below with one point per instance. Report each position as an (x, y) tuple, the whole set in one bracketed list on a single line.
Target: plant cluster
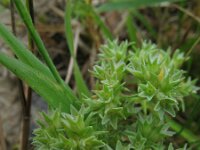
[(136, 92)]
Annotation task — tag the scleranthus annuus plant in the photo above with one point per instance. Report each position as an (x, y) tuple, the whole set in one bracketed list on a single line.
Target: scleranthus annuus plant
[(136, 91)]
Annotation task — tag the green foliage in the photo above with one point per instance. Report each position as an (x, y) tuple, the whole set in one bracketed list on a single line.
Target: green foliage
[(39, 82), (5, 2), (129, 4), (149, 133), (82, 10), (43, 79), (67, 131), (127, 118), (81, 85), (159, 78), (23, 12)]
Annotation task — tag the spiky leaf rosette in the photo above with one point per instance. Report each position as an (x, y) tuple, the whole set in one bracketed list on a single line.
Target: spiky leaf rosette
[(66, 131), (148, 132), (110, 71), (133, 91), (161, 84)]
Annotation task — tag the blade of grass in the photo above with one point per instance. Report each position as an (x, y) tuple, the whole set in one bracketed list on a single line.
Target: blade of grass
[(23, 12), (192, 47), (131, 29), (20, 83), (29, 59), (196, 18), (22, 52), (81, 85), (102, 25), (129, 4), (51, 91), (27, 20)]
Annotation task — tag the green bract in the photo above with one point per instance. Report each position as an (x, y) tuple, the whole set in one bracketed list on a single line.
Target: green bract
[(134, 90)]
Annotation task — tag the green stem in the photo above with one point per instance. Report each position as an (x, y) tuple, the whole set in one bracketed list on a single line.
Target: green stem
[(27, 105), (185, 133), (193, 46)]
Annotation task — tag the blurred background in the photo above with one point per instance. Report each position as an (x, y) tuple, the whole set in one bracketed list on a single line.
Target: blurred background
[(168, 23)]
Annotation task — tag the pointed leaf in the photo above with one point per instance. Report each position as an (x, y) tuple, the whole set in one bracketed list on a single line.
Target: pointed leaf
[(22, 52), (23, 12), (129, 4), (81, 85), (51, 91)]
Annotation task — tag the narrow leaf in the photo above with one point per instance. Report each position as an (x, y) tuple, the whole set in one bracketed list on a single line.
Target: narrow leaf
[(51, 91), (81, 85), (131, 28), (23, 12), (129, 4), (22, 52), (102, 25), (28, 58)]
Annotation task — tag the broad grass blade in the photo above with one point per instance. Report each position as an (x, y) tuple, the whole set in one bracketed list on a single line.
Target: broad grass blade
[(22, 52), (50, 90)]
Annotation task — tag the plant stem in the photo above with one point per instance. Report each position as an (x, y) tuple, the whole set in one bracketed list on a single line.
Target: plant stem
[(12, 10), (185, 133), (193, 46), (27, 105)]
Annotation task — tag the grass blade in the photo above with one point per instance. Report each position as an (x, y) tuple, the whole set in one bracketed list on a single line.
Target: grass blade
[(129, 4), (30, 60), (102, 25), (51, 91), (81, 85), (22, 52), (131, 29), (35, 36)]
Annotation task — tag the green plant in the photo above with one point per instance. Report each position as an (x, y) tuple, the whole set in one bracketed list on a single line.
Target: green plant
[(41, 78), (137, 90), (117, 116)]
